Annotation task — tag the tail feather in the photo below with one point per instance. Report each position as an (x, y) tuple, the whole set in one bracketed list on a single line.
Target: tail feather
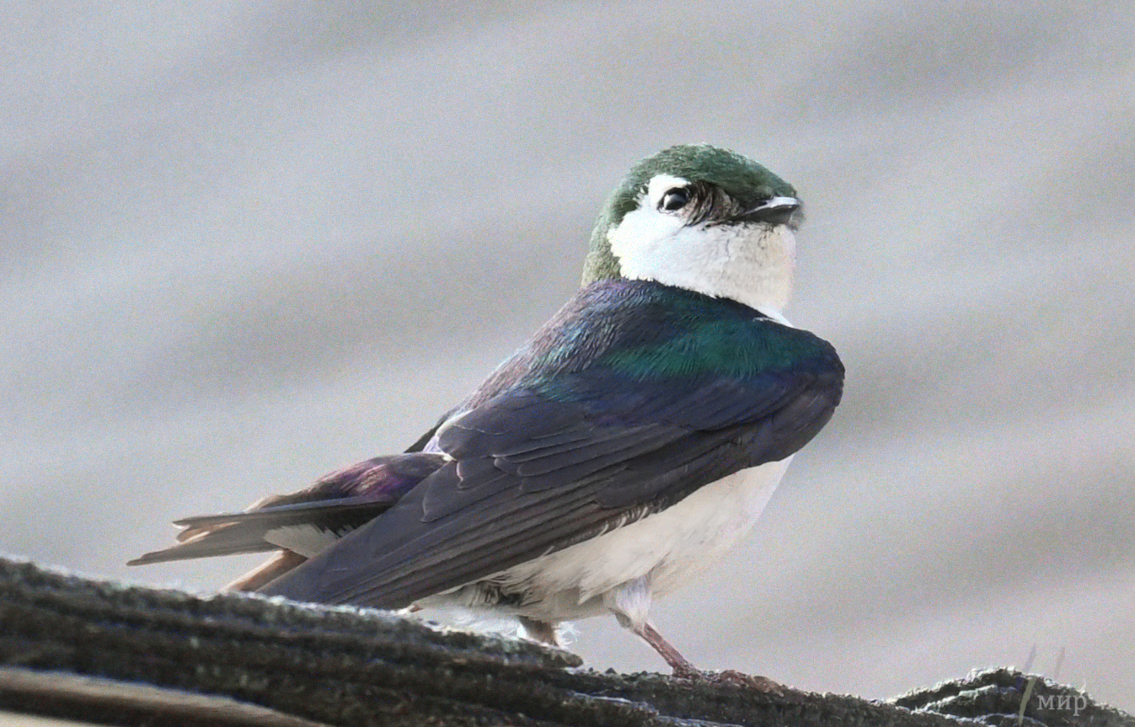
[(299, 524), (231, 540), (268, 571), (281, 514)]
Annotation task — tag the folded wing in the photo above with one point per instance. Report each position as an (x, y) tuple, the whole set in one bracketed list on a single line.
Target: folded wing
[(594, 425)]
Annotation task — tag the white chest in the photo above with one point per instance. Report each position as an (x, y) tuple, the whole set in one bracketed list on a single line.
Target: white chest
[(670, 547)]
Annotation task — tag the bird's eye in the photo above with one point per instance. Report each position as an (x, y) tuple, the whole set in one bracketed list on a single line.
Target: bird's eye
[(675, 199)]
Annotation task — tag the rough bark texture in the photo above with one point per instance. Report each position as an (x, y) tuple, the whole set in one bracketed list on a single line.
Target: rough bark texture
[(114, 654)]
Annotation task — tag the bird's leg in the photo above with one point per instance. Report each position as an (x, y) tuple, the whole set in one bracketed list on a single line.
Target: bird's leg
[(630, 602), (682, 667), (541, 631)]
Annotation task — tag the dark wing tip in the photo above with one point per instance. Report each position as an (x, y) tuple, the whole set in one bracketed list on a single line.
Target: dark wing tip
[(339, 502)]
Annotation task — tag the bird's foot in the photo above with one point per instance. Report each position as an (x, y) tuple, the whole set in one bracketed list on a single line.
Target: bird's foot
[(731, 677), (683, 669)]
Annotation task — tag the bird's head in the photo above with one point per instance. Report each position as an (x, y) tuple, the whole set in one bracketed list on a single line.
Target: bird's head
[(701, 218)]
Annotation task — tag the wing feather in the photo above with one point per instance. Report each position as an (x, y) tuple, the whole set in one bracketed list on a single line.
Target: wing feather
[(634, 396), (333, 506)]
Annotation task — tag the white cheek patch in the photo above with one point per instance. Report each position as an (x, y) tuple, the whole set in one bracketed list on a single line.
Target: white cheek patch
[(752, 264), (642, 238), (646, 226)]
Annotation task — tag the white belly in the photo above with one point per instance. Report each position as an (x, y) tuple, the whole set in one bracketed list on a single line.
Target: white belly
[(669, 548)]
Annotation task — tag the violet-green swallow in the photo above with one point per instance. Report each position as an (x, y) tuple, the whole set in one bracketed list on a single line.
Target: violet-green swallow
[(635, 437)]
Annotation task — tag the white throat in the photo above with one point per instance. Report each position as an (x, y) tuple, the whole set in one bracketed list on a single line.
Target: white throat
[(751, 263)]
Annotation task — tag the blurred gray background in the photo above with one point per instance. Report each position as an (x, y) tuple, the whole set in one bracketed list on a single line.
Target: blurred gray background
[(242, 247)]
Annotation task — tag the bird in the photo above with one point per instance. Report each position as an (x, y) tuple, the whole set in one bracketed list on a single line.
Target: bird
[(633, 439)]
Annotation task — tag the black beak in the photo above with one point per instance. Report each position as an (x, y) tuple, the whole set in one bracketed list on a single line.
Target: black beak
[(773, 211)]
